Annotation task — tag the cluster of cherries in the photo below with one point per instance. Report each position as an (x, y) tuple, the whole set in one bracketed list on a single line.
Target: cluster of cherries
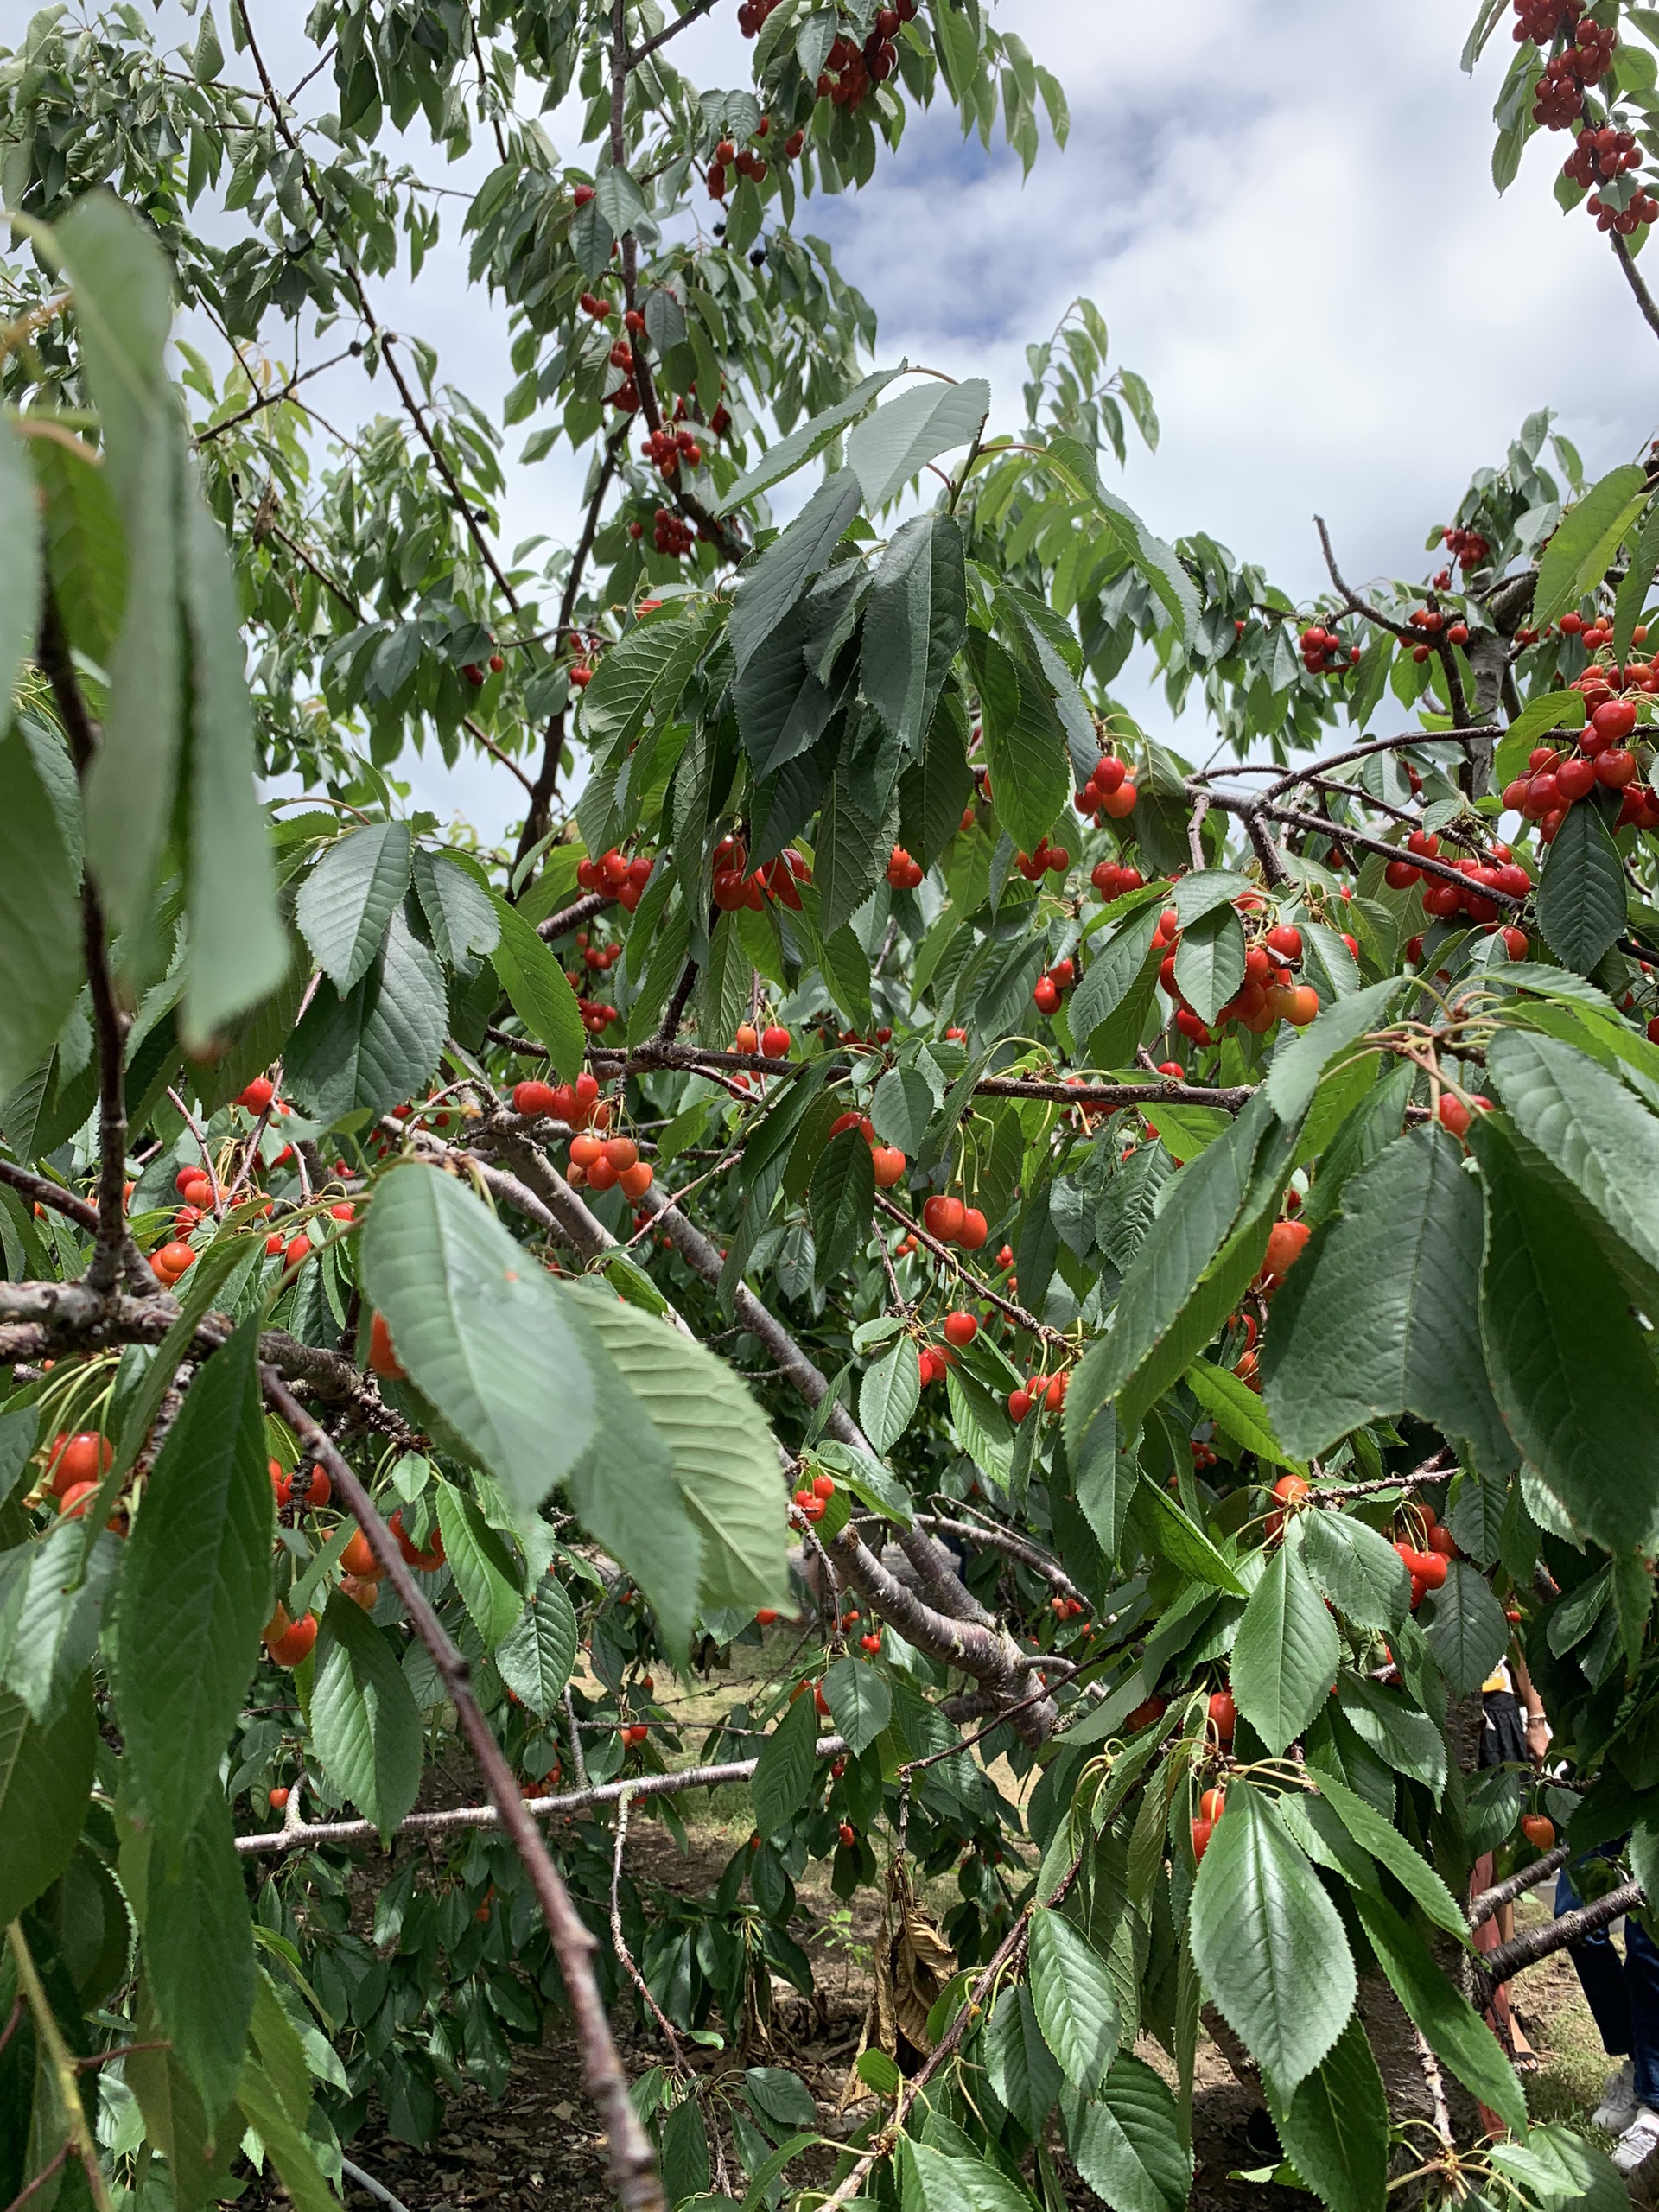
[(1046, 1391), (904, 873), (430, 1561), (664, 449), (1109, 793), (887, 1161), (669, 535), (743, 159), (577, 1104), (1112, 879), (613, 872), (1555, 781), (1045, 991), (854, 70), (288, 1641), (813, 1501), (1427, 1568), (599, 1162), (298, 1486), (1268, 993), (1324, 652), (1467, 547), (1558, 96), (948, 1221), (772, 1043), (1047, 860), (475, 674), (75, 1466), (1600, 155), (1445, 899), (776, 879)]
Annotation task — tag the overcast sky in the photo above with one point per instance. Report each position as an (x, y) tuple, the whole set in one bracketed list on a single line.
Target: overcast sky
[(1285, 212)]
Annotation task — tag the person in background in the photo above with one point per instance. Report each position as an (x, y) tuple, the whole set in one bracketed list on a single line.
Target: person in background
[(1514, 1732)]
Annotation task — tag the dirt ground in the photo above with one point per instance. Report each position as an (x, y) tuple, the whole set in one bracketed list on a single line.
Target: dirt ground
[(537, 2147)]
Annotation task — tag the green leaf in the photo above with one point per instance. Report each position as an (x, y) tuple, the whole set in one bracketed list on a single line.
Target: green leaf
[(40, 911), (85, 548), (541, 997), (1335, 2127), (793, 452), (1236, 1408), (934, 2180), (782, 1775), (364, 1718), (896, 443), (482, 1566), (721, 1454), (1267, 1942), (1582, 548), (1634, 586), (913, 623), (482, 1331), (238, 944), (1111, 976), (1182, 1542), (1378, 1316), (1294, 1076), (1158, 563), (1466, 1629), (900, 1109), (195, 1589), (1018, 2062), (772, 582), (1071, 1992), (1557, 2167), (458, 909), (1126, 2143), (45, 1776), (286, 2144), (841, 1199), (1210, 961), (1025, 745), (1403, 1738), (1359, 1571), (1581, 894), (1285, 1658), (643, 673), (1570, 1365), (536, 1658), (1588, 1126), (20, 567), (861, 1704), (888, 1396), (1549, 710), (1203, 892), (377, 1045), (1456, 2034), (1184, 1239), (124, 310), (198, 1944), (1384, 1842)]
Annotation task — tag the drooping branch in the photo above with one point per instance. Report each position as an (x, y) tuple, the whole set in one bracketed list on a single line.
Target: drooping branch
[(631, 2163), (306, 1835)]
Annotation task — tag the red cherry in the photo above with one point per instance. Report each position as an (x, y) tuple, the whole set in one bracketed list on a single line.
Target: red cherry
[(1224, 1714), (961, 1328), (258, 1095), (382, 1357)]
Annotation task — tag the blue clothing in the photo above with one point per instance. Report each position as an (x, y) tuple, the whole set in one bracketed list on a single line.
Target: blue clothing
[(1621, 1993)]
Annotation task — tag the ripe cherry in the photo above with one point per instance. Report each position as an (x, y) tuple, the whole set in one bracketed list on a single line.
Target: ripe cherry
[(1285, 1246), (359, 1560), (766, 1616), (961, 1328), (1212, 1804), (534, 1099), (848, 1837), (974, 1230), (889, 1164), (1539, 1830), (775, 1042), (257, 1095), (1019, 1405), (79, 1459), (278, 1800), (289, 1642), (1224, 1714), (1202, 1832), (1285, 941)]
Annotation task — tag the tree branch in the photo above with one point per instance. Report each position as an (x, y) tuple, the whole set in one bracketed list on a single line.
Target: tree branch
[(114, 1252), (632, 2166), (1482, 1908), (1494, 1967), (1642, 295), (648, 46)]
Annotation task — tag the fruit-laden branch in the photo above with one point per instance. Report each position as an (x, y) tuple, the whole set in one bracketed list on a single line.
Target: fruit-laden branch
[(1483, 1906), (1253, 809), (1494, 1967), (114, 1252), (306, 1835), (631, 2163), (45, 1192), (1406, 634)]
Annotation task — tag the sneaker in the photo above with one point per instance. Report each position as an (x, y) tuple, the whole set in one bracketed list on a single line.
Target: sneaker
[(1618, 2107), (1638, 2142)]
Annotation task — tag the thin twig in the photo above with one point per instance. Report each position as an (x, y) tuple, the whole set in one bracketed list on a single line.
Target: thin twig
[(1643, 297), (625, 1956), (79, 2137)]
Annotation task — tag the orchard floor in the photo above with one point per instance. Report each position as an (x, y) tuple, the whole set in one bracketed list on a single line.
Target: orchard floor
[(537, 2149)]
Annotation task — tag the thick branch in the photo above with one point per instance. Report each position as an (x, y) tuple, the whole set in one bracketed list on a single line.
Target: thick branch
[(1482, 1908), (1496, 1967), (632, 2166)]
